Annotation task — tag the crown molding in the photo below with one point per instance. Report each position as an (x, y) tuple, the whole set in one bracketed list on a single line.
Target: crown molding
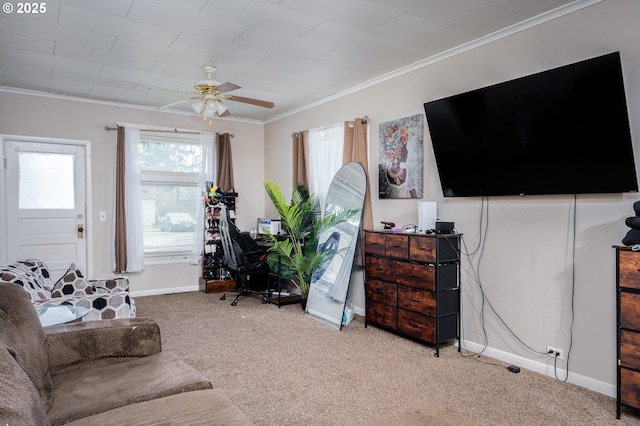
[(489, 38), (57, 96), (497, 35)]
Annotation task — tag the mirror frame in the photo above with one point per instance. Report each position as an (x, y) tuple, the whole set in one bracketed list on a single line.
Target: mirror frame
[(329, 286)]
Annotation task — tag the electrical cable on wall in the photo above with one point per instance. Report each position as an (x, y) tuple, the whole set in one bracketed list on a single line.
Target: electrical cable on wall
[(474, 273)]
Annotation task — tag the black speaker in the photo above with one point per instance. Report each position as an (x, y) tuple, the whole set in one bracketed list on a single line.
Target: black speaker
[(444, 227)]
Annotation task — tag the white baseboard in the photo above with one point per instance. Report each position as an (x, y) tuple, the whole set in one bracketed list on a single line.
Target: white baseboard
[(608, 389), (158, 291)]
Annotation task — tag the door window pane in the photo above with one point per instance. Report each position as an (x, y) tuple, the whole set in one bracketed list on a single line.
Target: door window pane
[(46, 181)]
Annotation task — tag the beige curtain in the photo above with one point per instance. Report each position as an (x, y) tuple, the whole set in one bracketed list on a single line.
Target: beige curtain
[(224, 162), (120, 237), (355, 149), (301, 158)]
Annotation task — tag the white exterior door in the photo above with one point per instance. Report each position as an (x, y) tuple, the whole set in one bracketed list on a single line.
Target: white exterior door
[(46, 203)]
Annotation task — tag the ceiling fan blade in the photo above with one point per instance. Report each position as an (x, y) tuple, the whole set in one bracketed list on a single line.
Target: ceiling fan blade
[(225, 114), (256, 102), (171, 93), (227, 87), (172, 104)]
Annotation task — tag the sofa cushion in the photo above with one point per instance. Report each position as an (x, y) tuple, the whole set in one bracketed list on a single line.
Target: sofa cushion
[(87, 345), (86, 392), (22, 335), (203, 407), (20, 402)]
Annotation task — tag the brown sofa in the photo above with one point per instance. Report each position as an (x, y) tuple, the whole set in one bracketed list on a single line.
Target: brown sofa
[(107, 372)]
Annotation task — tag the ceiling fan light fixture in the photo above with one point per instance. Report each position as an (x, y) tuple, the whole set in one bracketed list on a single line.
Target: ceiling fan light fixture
[(210, 108), (197, 106)]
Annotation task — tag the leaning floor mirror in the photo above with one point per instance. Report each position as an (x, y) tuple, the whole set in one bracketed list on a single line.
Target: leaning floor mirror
[(330, 282)]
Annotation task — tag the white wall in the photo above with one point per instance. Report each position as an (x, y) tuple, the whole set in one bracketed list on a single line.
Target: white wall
[(57, 118), (527, 264)]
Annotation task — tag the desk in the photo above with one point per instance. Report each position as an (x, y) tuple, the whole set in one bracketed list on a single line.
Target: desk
[(61, 314)]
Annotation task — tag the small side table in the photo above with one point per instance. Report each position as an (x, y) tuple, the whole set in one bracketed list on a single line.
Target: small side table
[(276, 297), (60, 314)]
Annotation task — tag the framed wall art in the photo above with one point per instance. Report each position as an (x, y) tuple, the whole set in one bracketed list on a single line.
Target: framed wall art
[(401, 158)]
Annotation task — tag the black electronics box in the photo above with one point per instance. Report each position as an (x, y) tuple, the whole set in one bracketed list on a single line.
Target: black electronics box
[(444, 227)]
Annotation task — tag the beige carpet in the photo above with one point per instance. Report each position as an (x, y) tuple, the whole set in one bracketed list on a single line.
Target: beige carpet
[(283, 368)]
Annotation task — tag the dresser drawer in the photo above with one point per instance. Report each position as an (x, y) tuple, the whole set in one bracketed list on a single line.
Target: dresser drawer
[(381, 314), (397, 245), (413, 299), (416, 325), (401, 272), (381, 291), (374, 243), (422, 248), (629, 385), (416, 275), (629, 269), (630, 349), (630, 310), (379, 267)]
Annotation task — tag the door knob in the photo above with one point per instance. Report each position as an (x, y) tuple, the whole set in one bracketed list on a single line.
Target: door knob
[(80, 231)]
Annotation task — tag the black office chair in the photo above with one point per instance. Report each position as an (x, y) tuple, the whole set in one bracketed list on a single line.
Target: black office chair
[(244, 257)]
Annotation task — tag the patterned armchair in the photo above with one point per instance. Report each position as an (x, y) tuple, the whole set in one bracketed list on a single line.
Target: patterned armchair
[(104, 298)]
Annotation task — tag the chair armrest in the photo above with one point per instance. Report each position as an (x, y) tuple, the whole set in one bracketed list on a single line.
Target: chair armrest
[(254, 256), (94, 343), (103, 285)]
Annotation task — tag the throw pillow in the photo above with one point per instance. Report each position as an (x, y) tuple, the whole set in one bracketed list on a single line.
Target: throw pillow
[(72, 283)]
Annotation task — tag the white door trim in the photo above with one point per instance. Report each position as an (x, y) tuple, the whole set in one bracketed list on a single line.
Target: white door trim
[(88, 198)]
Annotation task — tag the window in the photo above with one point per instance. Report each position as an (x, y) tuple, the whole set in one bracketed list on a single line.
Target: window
[(170, 195)]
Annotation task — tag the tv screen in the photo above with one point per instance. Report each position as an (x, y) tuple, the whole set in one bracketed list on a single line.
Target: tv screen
[(561, 131)]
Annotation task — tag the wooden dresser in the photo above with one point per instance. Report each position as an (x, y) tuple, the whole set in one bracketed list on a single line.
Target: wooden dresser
[(412, 285), (628, 327)]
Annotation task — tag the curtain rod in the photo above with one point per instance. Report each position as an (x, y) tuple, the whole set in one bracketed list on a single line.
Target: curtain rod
[(364, 119), (165, 131)]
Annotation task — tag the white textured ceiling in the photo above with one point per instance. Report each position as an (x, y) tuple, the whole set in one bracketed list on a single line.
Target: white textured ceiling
[(290, 52)]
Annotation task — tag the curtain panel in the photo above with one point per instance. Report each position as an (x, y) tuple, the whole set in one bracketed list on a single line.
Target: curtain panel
[(224, 160), (355, 149), (300, 142), (325, 159), (119, 258), (128, 247), (206, 174)]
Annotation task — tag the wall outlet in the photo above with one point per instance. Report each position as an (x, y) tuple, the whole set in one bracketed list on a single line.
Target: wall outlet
[(555, 352), (103, 216)]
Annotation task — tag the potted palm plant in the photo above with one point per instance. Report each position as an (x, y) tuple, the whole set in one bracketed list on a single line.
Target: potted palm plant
[(296, 256)]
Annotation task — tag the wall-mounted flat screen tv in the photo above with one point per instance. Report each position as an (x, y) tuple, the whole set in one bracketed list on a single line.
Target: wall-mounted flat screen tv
[(561, 131)]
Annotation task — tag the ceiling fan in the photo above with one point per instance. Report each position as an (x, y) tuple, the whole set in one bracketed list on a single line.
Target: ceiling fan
[(210, 94)]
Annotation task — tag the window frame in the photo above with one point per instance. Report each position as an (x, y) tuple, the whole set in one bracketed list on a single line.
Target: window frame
[(153, 177)]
